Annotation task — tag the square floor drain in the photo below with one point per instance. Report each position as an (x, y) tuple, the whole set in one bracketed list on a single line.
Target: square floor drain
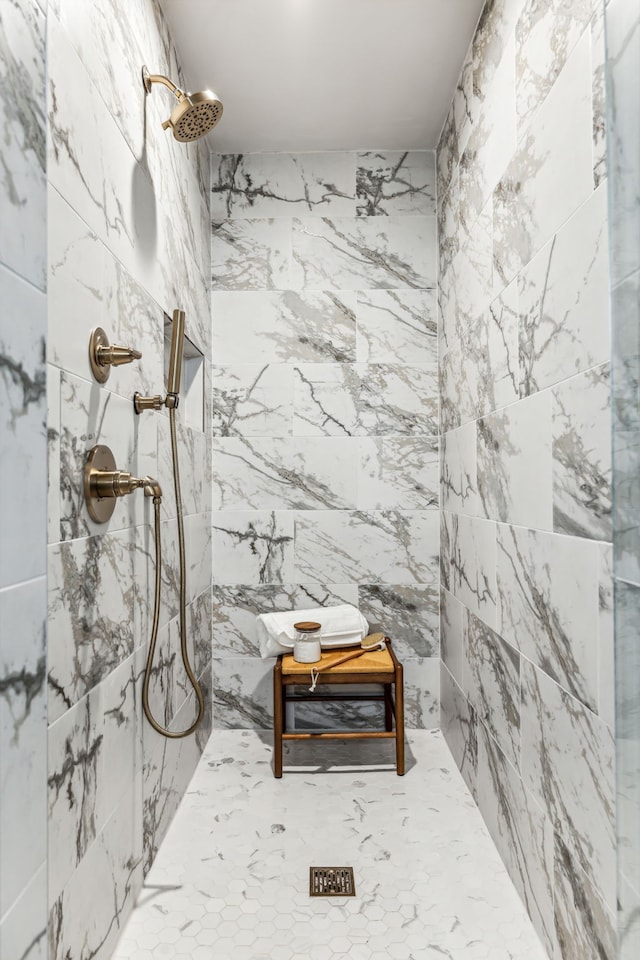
[(331, 882)]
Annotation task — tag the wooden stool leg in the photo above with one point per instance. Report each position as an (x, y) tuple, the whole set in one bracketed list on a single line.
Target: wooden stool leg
[(278, 706), (388, 708), (399, 720)]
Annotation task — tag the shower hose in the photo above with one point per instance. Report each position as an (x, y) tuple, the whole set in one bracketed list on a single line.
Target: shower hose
[(172, 734)]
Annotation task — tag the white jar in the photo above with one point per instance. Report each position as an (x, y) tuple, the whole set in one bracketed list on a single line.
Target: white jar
[(306, 644)]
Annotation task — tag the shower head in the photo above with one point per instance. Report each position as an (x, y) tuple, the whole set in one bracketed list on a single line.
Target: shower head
[(194, 114)]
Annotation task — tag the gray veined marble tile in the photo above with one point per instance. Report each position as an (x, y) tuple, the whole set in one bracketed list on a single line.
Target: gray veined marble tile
[(407, 614), (23, 721), (491, 682), (422, 693), (447, 154), (90, 414), (243, 693), (364, 253), (495, 27), (598, 60), (582, 455), (23, 931), (472, 553), (53, 454), (89, 162), (470, 278), (548, 605), (108, 47), (522, 833), (491, 137), (251, 255), (74, 768), (252, 548), (449, 218), (451, 643), (567, 762), (104, 888), (199, 620), (458, 470), (23, 151), (564, 300), (585, 925), (371, 547), (91, 614), (395, 183), (284, 473), (515, 463), (285, 326), (606, 658), (326, 399), (235, 608), (446, 539), (628, 920), (365, 399), (283, 184), (545, 35), (252, 400), (398, 473), (479, 350), (396, 326), (198, 536), (398, 399), (23, 434), (623, 41), (626, 426), (121, 718), (627, 739), (550, 174), (459, 728)]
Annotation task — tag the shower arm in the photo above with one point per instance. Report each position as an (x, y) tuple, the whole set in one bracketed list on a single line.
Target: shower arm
[(150, 78)]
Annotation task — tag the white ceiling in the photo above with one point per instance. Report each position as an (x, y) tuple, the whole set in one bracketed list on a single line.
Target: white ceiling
[(298, 75)]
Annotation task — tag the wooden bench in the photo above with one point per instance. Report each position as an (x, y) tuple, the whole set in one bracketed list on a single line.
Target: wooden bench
[(380, 667)]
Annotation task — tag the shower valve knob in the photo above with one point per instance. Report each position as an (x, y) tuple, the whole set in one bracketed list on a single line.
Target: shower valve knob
[(103, 355), (104, 484)]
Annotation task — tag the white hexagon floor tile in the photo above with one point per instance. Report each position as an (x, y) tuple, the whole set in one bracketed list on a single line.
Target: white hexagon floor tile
[(231, 880)]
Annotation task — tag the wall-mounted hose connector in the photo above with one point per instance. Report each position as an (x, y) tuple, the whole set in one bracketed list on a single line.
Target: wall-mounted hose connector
[(104, 484)]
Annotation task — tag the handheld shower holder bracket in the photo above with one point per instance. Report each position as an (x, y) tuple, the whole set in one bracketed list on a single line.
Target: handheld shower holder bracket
[(155, 402)]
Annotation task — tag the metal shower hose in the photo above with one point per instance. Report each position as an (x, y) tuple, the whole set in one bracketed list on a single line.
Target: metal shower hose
[(174, 735)]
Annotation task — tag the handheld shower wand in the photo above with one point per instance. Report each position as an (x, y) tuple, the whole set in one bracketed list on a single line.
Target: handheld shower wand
[(171, 399), (155, 403)]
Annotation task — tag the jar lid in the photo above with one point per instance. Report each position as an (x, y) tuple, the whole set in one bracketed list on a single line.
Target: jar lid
[(307, 626)]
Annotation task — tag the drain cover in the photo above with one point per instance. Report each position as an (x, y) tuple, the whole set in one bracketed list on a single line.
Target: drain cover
[(331, 882)]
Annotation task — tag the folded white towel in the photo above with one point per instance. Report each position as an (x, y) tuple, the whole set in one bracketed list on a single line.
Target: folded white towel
[(342, 626)]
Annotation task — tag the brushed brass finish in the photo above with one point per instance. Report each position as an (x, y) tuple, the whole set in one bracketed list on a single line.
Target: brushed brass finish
[(195, 113), (103, 355), (141, 403), (175, 353), (184, 651), (104, 484), (331, 882)]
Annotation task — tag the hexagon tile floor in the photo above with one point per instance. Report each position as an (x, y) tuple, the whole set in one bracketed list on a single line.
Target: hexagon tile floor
[(231, 880)]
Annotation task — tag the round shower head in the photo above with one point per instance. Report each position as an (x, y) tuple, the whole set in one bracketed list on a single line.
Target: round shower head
[(194, 116)]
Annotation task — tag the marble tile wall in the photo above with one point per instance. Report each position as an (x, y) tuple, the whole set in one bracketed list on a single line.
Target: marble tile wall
[(325, 409), (128, 241), (526, 604), (623, 73), (23, 489)]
